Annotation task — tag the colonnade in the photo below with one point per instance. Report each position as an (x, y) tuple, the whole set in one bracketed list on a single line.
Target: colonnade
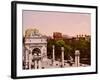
[(36, 60), (32, 60), (77, 57)]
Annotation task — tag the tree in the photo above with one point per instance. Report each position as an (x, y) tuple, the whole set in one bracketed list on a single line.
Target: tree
[(60, 43), (67, 48), (84, 47), (50, 43)]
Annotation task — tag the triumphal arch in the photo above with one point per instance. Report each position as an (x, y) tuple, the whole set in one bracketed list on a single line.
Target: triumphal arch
[(35, 49)]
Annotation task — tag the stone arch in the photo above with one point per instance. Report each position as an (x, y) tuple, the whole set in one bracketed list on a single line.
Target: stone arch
[(36, 60), (36, 51)]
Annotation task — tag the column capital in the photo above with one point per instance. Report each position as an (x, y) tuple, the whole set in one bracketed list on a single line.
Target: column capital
[(62, 48), (53, 46), (77, 52)]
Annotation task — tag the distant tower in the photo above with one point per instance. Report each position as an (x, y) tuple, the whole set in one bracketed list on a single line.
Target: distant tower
[(57, 35)]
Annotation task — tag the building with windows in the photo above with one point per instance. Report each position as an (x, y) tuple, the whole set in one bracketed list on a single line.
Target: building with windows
[(57, 35)]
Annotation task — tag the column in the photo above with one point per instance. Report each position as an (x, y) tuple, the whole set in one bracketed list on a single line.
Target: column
[(35, 63), (30, 60), (53, 55), (39, 62), (77, 58), (26, 59), (62, 56)]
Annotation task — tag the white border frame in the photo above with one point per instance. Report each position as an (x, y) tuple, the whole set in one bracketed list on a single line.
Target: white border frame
[(21, 72)]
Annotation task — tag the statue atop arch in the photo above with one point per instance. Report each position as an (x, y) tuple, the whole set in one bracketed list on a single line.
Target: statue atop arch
[(32, 32)]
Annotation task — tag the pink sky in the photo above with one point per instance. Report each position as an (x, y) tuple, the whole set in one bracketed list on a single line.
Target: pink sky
[(70, 24)]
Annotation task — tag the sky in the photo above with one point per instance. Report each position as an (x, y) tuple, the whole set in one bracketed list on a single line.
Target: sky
[(71, 24)]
